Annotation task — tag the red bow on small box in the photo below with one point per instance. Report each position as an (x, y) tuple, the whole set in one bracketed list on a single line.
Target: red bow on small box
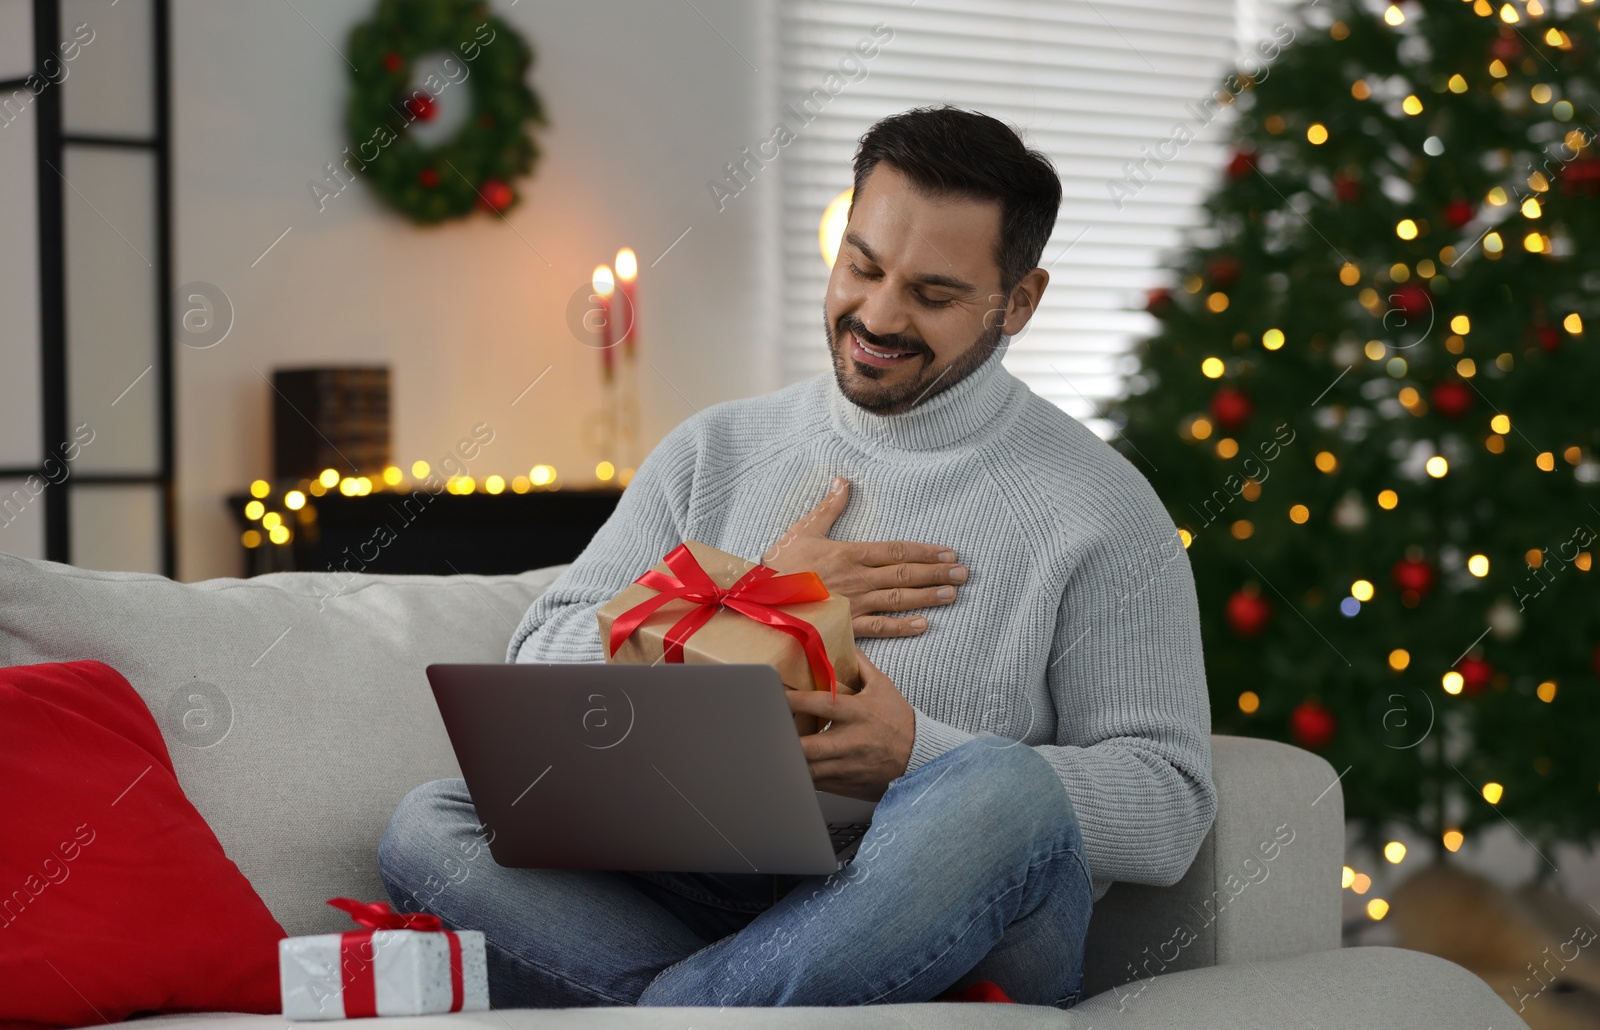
[(754, 595), (356, 956)]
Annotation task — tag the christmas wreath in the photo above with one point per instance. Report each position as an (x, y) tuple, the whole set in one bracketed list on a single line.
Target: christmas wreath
[(476, 167)]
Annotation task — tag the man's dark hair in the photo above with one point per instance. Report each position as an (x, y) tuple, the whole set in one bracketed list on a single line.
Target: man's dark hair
[(945, 150)]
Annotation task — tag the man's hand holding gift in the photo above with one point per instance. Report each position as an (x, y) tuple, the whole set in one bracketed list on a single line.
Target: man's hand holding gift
[(869, 742), (877, 577)]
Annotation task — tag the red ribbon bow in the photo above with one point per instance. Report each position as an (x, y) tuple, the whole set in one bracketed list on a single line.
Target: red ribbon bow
[(357, 959), (754, 595)]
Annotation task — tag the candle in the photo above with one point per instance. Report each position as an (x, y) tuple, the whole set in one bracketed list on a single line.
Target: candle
[(603, 287), (627, 275)]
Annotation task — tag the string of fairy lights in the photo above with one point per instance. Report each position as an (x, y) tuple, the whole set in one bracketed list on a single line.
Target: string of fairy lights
[(275, 527), (1230, 408)]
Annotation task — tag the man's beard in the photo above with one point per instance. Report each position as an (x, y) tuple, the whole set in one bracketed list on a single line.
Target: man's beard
[(884, 399)]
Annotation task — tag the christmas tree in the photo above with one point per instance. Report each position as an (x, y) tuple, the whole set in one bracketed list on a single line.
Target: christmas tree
[(1371, 408)]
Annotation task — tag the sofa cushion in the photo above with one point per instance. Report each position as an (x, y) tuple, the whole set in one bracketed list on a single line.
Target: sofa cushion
[(295, 705), (121, 899)]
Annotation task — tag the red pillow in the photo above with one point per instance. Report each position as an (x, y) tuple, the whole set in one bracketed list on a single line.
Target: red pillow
[(115, 896)]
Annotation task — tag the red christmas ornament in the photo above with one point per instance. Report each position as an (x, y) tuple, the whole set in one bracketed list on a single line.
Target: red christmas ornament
[(1243, 163), (1458, 213), (1158, 301), (495, 195), (1475, 674), (1413, 299), (428, 177), (1223, 271), (1247, 613), (1346, 187), (1413, 575), (1548, 338), (1231, 408), (1506, 48), (1452, 398), (393, 62), (1312, 725), (422, 107)]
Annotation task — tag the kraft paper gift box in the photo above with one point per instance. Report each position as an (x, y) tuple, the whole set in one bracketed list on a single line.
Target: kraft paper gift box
[(730, 637), (382, 970)]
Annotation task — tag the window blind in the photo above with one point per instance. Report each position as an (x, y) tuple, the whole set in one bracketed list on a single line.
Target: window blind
[(1093, 84)]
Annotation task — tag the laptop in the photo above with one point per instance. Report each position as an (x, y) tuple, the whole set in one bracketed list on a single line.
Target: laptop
[(666, 768)]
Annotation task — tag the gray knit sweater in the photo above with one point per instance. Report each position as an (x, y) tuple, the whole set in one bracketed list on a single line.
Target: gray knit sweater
[(1077, 632)]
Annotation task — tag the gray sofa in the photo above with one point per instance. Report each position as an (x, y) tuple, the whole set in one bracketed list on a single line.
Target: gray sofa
[(297, 714)]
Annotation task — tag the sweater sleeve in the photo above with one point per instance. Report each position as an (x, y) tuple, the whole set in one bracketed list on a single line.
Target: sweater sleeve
[(560, 625), (1127, 680)]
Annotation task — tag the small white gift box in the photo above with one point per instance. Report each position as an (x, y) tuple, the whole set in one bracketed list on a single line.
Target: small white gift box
[(383, 972)]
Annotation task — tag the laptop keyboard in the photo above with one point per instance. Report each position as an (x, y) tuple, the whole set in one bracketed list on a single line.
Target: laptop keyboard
[(845, 834)]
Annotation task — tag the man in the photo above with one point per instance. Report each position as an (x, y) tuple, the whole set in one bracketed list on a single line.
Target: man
[(1032, 740)]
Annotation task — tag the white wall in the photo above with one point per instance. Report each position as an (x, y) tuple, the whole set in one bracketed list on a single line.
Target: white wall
[(646, 102)]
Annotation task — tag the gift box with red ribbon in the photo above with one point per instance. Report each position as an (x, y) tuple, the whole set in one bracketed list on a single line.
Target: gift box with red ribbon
[(702, 605), (397, 964)]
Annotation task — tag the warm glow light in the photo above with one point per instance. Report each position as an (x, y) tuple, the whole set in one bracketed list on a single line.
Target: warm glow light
[(830, 231), (1227, 447), (1387, 499), (1362, 590), (604, 285), (1242, 529), (1437, 466), (1394, 15), (250, 538), (1453, 839), (1249, 701), (1347, 876), (1212, 368), (1452, 682), (419, 469), (604, 471), (1478, 565), (1327, 461), (279, 534), (1546, 461), (1461, 324), (363, 486), (1200, 428), (349, 487), (329, 478), (1411, 105), (541, 475), (1299, 514), (271, 519), (1458, 84), (294, 500), (1533, 243), (1500, 423), (1530, 208), (1377, 908), (1217, 303), (1546, 691), (1406, 229), (1541, 93), (1509, 15), (1493, 244), (1187, 538), (1317, 133), (260, 488), (1349, 274), (1573, 324), (1395, 852), (1493, 792), (494, 484), (1399, 658), (520, 485), (1466, 368), (392, 475), (627, 264), (254, 510), (1361, 883)]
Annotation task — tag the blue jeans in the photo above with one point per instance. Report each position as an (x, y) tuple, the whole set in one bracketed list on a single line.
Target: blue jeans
[(973, 870)]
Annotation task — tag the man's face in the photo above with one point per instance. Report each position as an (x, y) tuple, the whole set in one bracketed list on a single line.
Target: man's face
[(914, 301)]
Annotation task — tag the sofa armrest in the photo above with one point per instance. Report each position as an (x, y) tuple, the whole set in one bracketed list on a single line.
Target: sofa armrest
[(1264, 884)]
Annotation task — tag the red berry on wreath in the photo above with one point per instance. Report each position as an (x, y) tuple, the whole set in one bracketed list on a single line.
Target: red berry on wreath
[(1413, 574), (429, 177), (1458, 213), (1158, 301), (393, 62), (1243, 163), (1312, 725), (1475, 674), (496, 195), (1231, 408), (1346, 187), (1223, 271), (1247, 613), (422, 107), (1452, 398), (1413, 299)]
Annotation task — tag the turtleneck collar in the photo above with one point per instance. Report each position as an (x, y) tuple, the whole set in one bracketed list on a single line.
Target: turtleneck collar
[(949, 419)]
